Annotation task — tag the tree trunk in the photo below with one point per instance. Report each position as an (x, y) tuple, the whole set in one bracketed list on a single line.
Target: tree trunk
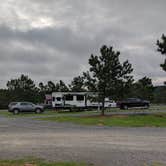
[(103, 107)]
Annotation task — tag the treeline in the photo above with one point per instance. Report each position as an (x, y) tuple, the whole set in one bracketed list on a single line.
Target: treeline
[(24, 89), (107, 75)]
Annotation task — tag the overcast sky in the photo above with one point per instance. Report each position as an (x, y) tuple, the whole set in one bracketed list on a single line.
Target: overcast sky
[(53, 39)]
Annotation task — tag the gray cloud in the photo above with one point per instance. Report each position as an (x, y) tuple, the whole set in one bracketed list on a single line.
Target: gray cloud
[(53, 40)]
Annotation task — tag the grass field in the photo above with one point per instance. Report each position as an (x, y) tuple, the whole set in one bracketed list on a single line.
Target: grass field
[(35, 162), (46, 113), (156, 120)]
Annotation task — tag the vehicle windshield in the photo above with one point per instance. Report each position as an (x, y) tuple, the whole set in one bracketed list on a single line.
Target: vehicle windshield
[(133, 99)]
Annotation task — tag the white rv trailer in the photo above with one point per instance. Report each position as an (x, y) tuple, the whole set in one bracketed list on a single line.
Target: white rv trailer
[(83, 100)]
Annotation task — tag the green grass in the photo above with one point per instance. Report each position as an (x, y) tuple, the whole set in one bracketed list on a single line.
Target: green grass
[(36, 162), (66, 116), (9, 114), (157, 120), (46, 113)]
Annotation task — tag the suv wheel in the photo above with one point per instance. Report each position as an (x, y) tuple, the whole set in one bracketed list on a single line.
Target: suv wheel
[(16, 111), (38, 111)]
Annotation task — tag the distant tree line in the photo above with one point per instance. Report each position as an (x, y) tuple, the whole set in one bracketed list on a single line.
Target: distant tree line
[(107, 75)]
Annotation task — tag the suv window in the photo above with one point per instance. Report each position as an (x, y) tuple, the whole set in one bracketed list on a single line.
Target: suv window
[(26, 104), (13, 103), (23, 104)]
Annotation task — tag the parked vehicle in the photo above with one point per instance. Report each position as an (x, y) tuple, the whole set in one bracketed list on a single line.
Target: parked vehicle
[(17, 107), (47, 106), (80, 100), (133, 102), (110, 103)]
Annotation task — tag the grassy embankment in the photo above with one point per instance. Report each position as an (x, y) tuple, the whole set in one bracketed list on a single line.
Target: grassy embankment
[(155, 120), (35, 162)]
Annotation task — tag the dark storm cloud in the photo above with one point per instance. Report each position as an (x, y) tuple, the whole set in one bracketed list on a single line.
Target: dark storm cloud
[(61, 39), (53, 40)]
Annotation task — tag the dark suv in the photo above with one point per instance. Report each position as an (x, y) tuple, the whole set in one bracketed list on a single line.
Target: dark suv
[(17, 107), (133, 102)]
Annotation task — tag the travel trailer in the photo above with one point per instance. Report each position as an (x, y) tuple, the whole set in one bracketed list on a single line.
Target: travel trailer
[(82, 100)]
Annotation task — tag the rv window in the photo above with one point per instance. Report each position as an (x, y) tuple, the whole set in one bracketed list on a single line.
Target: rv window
[(53, 99), (80, 98), (58, 98), (69, 97)]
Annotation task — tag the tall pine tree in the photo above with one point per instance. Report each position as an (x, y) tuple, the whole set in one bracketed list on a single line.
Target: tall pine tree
[(107, 74)]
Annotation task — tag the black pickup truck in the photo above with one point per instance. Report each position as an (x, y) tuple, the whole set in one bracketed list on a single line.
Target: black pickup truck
[(133, 102)]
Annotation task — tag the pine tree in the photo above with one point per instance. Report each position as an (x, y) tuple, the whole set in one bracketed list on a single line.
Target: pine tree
[(77, 84), (106, 74)]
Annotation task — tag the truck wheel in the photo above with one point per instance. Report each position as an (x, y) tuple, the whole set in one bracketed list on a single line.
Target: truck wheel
[(146, 106), (125, 107), (38, 111), (16, 111)]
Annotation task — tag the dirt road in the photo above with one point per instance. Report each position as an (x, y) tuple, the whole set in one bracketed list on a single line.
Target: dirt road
[(102, 146)]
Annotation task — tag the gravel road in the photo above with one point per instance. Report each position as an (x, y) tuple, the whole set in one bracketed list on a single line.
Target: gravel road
[(102, 146)]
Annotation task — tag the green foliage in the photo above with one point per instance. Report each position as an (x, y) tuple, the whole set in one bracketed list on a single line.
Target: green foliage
[(48, 88), (160, 94), (143, 88), (51, 87), (162, 49), (107, 75), (90, 82), (5, 97), (61, 87), (23, 89), (77, 84), (23, 83)]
